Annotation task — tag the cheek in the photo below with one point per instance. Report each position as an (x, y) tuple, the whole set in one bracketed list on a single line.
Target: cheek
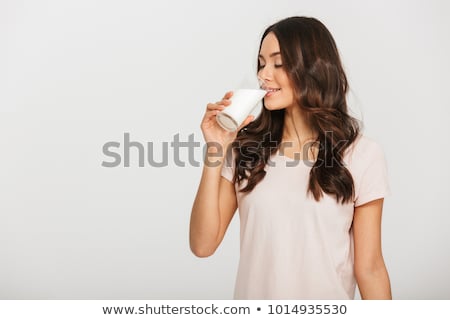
[(291, 94), (286, 83), (288, 97), (288, 89)]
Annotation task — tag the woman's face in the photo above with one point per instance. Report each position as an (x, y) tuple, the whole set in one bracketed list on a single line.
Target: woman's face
[(273, 77)]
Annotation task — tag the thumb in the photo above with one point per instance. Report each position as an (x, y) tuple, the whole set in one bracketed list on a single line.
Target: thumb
[(249, 119)]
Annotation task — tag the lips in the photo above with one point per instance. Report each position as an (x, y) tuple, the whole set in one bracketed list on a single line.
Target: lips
[(270, 91)]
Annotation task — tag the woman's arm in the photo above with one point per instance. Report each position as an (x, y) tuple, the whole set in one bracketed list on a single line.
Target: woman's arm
[(215, 202), (370, 270), (213, 209)]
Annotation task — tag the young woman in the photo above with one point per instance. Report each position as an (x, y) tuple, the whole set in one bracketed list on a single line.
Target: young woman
[(308, 185)]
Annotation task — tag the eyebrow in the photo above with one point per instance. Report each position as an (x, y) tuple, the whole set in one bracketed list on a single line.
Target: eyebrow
[(271, 55)]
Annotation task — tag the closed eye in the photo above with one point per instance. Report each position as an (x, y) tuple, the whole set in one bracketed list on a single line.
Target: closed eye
[(275, 65)]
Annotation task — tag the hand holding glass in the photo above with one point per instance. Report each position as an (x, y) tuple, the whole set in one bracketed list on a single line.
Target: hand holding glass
[(242, 103)]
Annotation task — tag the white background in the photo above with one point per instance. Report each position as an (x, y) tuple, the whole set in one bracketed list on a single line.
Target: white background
[(75, 75)]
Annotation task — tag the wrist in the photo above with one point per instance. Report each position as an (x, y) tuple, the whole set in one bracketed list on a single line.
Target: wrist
[(215, 154)]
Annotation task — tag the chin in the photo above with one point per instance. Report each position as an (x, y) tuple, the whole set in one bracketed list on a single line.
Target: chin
[(273, 106)]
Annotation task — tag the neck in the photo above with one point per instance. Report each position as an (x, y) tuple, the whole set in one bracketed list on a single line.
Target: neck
[(296, 127), (297, 133)]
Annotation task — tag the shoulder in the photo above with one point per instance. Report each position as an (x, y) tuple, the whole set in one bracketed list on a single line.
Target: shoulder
[(363, 150), (367, 164)]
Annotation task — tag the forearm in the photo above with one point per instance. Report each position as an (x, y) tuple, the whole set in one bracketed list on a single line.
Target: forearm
[(374, 283), (205, 218)]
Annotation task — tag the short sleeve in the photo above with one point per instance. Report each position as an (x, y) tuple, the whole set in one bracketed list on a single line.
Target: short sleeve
[(228, 166), (372, 181)]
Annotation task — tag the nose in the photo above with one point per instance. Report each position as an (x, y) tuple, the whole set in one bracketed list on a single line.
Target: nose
[(265, 74)]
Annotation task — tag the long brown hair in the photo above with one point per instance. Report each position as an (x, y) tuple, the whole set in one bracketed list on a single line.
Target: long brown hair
[(311, 60)]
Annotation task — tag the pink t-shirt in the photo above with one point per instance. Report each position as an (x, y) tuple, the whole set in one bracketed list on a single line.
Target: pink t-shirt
[(292, 247)]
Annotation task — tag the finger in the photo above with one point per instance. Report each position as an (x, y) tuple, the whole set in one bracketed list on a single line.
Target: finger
[(224, 102), (214, 106), (210, 114), (228, 95)]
